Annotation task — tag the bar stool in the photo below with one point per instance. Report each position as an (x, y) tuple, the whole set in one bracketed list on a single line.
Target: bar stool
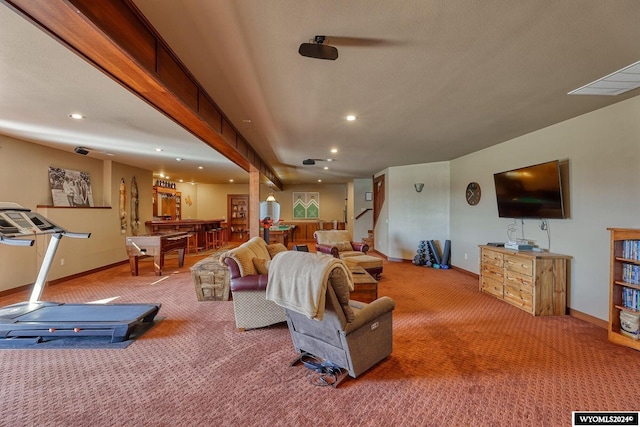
[(219, 239), (211, 239), (225, 235), (214, 238), (192, 242)]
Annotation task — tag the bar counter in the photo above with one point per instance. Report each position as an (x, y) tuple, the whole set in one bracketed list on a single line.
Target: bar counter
[(199, 225)]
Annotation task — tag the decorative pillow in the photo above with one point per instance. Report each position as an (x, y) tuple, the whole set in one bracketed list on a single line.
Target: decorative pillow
[(340, 283), (261, 265), (242, 256), (342, 246), (276, 248)]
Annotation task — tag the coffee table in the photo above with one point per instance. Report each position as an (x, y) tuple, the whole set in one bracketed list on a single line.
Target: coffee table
[(365, 286)]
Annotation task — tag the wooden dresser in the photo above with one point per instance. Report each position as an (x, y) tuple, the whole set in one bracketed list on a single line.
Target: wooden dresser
[(535, 282)]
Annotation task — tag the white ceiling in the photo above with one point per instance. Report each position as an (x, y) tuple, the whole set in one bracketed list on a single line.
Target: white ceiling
[(428, 80)]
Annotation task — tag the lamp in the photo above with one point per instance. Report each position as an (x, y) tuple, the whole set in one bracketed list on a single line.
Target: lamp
[(269, 214), (419, 186)]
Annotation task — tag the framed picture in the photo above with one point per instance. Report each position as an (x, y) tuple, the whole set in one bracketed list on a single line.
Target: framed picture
[(368, 196), (70, 188), (306, 205)]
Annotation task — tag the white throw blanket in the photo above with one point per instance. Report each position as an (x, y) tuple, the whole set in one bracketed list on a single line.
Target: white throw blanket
[(298, 281)]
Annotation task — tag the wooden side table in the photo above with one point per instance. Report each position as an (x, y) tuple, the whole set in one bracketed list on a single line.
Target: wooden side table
[(365, 286)]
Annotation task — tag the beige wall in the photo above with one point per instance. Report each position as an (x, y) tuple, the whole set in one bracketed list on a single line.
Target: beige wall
[(603, 151), (407, 217), (25, 167), (212, 199)]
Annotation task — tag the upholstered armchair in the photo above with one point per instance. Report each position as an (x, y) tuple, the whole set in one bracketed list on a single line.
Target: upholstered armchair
[(338, 243), (248, 270), (349, 334)]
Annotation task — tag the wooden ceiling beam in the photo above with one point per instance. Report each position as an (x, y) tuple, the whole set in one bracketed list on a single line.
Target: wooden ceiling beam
[(116, 38)]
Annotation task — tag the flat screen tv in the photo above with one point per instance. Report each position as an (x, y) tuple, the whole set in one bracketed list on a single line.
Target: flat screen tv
[(530, 192)]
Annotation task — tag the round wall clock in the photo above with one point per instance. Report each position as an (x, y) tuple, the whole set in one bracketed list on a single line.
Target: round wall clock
[(473, 193)]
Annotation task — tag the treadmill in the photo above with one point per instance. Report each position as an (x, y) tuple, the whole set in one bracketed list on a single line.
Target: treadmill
[(37, 320)]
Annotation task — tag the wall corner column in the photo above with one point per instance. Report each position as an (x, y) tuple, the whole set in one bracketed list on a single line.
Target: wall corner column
[(254, 201)]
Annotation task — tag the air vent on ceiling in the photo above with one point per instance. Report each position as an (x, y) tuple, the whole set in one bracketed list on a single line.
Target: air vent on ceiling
[(616, 83)]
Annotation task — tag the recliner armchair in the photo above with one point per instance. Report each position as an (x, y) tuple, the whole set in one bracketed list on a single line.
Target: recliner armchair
[(338, 243), (352, 335)]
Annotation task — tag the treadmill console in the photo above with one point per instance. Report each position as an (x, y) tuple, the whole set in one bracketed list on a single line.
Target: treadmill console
[(19, 221), (16, 220)]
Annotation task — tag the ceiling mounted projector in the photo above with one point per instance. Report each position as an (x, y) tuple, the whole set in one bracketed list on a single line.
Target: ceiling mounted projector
[(309, 162), (318, 50), (81, 150)]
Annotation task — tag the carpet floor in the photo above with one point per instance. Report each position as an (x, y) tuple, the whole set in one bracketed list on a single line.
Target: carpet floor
[(460, 358)]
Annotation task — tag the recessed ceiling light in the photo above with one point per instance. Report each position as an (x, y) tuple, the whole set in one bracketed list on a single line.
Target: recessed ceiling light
[(351, 118), (231, 180), (334, 150), (329, 160), (162, 175), (158, 149), (246, 121), (319, 180), (326, 167), (181, 180), (200, 167), (178, 159), (76, 116)]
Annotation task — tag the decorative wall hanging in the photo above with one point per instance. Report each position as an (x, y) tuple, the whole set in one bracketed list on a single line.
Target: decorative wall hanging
[(70, 188), (306, 205), (135, 212), (123, 206)]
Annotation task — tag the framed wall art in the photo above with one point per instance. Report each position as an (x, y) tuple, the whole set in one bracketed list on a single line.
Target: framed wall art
[(70, 188), (306, 205)]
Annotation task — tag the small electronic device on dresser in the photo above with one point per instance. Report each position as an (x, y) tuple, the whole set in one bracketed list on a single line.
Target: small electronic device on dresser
[(518, 246)]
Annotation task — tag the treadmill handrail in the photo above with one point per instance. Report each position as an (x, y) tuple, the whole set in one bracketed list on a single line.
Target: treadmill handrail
[(17, 242), (76, 235)]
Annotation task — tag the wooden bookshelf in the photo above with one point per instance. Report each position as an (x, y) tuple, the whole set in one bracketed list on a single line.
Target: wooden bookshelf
[(238, 217), (618, 260)]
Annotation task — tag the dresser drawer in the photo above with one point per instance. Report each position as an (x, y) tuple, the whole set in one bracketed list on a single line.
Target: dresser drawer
[(492, 272), (535, 283), (491, 258), (518, 264), (492, 287), (518, 281), (521, 298)]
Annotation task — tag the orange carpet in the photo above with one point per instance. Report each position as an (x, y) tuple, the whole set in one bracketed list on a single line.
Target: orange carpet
[(460, 358)]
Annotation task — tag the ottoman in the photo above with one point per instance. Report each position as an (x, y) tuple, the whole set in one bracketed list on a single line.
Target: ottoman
[(371, 264)]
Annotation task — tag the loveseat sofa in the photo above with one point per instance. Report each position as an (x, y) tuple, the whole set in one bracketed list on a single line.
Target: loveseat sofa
[(338, 243), (248, 268)]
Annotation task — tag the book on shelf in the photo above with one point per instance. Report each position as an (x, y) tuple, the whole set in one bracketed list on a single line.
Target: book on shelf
[(631, 249), (631, 298), (631, 273)]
